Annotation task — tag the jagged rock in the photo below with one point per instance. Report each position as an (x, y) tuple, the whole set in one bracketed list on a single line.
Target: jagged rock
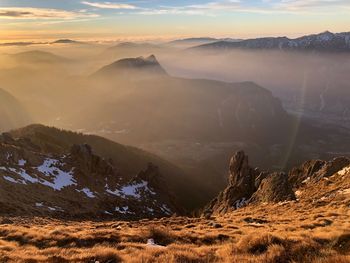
[(274, 188), (241, 185), (89, 163), (316, 170), (151, 175), (249, 185), (156, 182), (332, 167), (299, 174)]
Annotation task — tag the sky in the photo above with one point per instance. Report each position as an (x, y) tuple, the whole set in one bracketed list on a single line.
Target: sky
[(162, 19)]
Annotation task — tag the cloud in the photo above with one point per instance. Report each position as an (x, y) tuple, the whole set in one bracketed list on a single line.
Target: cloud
[(214, 8), (304, 5), (40, 13), (109, 5)]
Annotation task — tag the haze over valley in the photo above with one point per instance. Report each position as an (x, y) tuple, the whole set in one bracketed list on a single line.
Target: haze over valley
[(149, 131)]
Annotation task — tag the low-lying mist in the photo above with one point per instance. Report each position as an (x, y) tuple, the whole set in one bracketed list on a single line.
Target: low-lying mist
[(197, 124)]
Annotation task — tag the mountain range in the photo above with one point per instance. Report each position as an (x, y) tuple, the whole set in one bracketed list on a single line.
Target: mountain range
[(135, 101), (326, 41), (44, 173)]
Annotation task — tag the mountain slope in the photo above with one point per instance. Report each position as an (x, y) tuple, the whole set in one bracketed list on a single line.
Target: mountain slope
[(175, 105), (12, 113), (326, 41), (76, 183), (129, 160), (39, 57)]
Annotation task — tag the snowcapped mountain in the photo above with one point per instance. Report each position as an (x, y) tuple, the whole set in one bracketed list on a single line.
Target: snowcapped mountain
[(76, 183), (326, 41)]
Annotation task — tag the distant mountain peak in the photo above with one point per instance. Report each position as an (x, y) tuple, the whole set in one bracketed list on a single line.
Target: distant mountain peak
[(148, 65), (66, 41), (152, 58)]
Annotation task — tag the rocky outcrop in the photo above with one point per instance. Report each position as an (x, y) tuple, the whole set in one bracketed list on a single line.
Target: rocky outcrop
[(89, 163), (331, 167), (299, 174), (247, 184), (315, 170), (252, 186), (241, 185), (274, 188)]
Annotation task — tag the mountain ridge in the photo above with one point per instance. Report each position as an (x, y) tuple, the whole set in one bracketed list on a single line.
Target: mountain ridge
[(77, 183), (325, 41), (249, 186), (146, 65)]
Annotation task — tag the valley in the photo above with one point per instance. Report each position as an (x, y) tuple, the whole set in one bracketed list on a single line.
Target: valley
[(200, 149)]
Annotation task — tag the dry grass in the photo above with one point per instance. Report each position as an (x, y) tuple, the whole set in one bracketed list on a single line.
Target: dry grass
[(315, 229), (252, 234)]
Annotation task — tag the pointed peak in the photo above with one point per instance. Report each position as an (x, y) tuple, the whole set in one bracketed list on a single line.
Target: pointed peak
[(152, 58)]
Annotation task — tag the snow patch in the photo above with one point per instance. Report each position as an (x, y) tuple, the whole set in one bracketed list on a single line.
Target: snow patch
[(10, 179), (122, 210), (152, 244), (132, 190), (344, 171), (166, 209), (51, 208), (20, 172), (240, 203), (61, 178), (306, 180), (87, 192), (22, 162)]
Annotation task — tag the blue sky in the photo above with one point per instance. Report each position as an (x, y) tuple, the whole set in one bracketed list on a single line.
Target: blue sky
[(166, 19)]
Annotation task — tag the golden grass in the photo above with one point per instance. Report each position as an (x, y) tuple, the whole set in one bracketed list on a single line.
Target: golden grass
[(286, 233)]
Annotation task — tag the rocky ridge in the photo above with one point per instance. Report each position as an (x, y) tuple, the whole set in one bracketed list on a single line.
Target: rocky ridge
[(325, 41), (249, 185), (77, 184)]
